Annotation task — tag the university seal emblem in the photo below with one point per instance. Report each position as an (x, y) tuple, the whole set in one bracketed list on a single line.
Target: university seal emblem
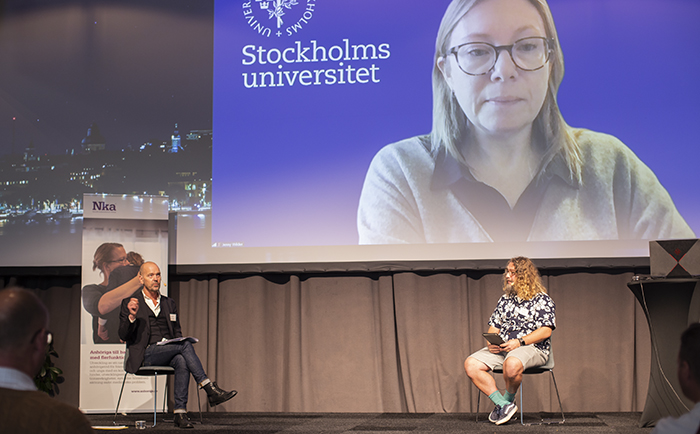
[(278, 18)]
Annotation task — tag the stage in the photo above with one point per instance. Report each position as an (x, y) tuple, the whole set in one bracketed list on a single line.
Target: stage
[(269, 423)]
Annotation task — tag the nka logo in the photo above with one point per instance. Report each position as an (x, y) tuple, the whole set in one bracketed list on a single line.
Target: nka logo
[(103, 206)]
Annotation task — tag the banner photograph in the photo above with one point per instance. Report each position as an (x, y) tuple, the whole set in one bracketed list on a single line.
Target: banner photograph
[(119, 234)]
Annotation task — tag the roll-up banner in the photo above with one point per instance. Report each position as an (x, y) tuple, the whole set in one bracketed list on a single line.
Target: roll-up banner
[(119, 233)]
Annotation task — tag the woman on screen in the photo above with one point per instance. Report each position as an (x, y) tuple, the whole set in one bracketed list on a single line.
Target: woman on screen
[(501, 164), (101, 300)]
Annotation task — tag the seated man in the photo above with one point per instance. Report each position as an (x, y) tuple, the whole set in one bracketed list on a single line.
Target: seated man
[(148, 318), (524, 318), (24, 336), (689, 378)]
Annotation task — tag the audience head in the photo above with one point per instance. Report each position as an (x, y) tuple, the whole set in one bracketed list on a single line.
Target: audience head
[(689, 362), (23, 330)]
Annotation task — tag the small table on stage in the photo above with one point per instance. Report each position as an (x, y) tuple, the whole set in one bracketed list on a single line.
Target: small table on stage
[(670, 305)]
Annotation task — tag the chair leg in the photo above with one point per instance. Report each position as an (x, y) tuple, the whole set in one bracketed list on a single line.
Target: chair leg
[(165, 396), (165, 403), (155, 398), (116, 410), (478, 401), (558, 398), (522, 422)]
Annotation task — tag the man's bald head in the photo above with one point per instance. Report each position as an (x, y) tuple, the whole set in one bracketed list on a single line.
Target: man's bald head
[(22, 314), (23, 317), (149, 276), (148, 266)]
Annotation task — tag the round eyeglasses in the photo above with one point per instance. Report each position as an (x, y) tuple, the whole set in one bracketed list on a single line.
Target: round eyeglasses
[(478, 58)]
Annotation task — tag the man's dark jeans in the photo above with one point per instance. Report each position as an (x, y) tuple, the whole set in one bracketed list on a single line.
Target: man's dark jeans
[(182, 357)]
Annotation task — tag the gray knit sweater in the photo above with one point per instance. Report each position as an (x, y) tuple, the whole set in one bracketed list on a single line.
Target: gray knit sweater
[(406, 200)]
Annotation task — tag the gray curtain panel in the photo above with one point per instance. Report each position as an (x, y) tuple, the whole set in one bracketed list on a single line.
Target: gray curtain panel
[(383, 341), (396, 342)]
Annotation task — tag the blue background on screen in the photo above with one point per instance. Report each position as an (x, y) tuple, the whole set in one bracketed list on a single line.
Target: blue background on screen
[(289, 162)]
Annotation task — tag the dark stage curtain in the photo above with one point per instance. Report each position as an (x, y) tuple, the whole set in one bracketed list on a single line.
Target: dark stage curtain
[(383, 341), (396, 342)]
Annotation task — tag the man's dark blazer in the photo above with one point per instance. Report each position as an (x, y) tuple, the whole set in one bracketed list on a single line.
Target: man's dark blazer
[(137, 334)]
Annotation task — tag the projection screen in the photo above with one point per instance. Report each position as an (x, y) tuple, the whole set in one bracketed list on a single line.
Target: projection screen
[(299, 131)]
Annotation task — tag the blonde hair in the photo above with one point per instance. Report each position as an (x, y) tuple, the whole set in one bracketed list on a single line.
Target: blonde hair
[(450, 124), (528, 282)]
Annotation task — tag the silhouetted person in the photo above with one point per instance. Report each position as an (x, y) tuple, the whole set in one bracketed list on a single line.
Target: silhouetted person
[(689, 377), (24, 336)]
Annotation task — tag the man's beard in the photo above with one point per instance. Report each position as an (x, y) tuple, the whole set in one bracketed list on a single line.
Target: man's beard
[(510, 290)]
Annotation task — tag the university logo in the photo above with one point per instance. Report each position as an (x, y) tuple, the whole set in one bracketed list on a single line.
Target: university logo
[(278, 18)]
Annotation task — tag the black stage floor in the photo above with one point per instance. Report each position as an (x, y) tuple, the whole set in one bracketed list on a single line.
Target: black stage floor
[(394, 423)]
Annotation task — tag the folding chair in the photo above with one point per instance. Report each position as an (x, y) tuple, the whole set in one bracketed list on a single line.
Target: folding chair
[(547, 367), (151, 371)]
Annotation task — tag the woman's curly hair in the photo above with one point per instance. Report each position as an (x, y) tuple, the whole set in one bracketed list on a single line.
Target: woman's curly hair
[(527, 279)]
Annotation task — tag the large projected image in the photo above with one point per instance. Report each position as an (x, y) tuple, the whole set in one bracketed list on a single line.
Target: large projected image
[(501, 164), (480, 149), (289, 132)]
